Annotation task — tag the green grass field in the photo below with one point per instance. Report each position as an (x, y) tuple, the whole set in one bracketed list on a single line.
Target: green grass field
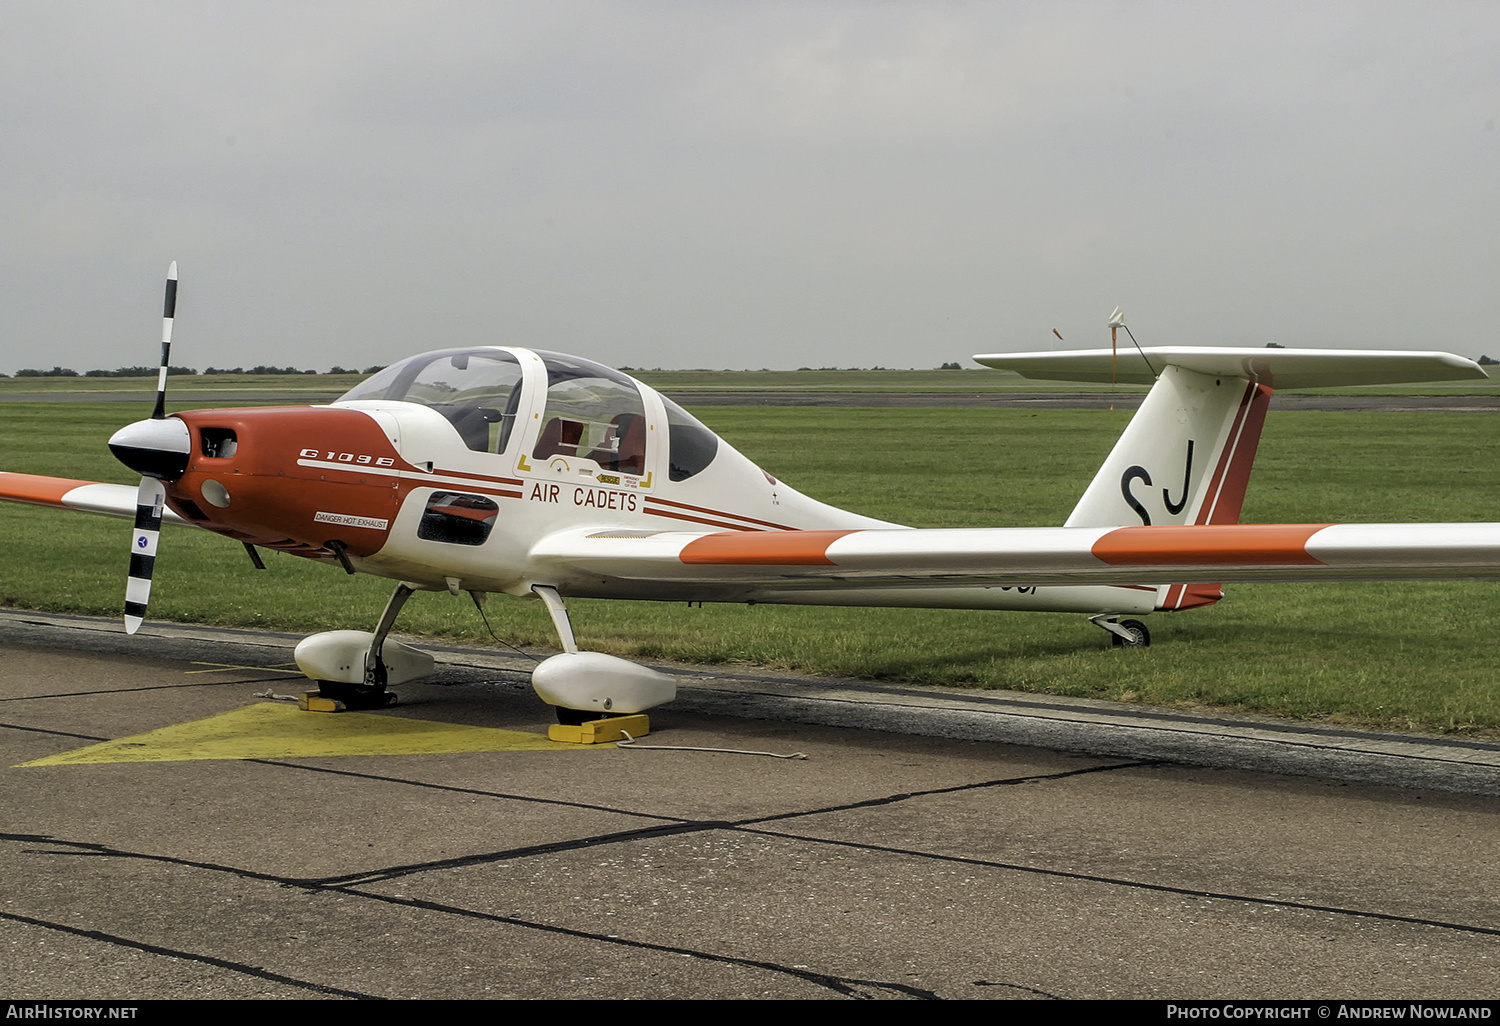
[(1408, 656)]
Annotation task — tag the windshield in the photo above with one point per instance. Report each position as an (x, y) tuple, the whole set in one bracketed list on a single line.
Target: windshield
[(456, 377), (478, 390)]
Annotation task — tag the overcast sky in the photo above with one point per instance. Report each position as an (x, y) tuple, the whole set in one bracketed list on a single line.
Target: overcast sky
[(757, 184)]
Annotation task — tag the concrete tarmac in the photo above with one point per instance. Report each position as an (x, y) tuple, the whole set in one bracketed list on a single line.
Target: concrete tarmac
[(884, 864)]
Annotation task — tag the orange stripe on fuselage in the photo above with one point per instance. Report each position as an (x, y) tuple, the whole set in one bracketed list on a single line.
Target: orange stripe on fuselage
[(1191, 596), (715, 513), (698, 520), (34, 488), (1236, 545), (762, 548)]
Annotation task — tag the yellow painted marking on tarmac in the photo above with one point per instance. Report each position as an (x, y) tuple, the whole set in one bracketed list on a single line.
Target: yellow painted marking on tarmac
[(217, 667), (268, 730)]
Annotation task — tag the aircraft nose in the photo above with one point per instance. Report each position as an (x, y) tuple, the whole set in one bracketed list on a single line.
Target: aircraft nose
[(154, 448)]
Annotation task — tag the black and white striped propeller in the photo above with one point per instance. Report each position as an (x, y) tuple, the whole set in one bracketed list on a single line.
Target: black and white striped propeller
[(149, 499), (158, 448)]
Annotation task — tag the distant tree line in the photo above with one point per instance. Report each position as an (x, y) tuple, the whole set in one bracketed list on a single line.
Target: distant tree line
[(150, 372)]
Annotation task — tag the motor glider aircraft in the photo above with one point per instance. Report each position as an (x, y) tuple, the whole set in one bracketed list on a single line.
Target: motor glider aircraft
[(532, 473)]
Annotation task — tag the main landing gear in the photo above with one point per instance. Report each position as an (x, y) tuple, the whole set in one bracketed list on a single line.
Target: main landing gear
[(1123, 633), (587, 686), (355, 667)]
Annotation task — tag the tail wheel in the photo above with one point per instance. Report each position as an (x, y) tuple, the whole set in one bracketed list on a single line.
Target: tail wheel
[(1140, 636)]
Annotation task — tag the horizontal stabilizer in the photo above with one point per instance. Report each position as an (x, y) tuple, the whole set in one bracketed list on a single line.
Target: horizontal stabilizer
[(1275, 368)]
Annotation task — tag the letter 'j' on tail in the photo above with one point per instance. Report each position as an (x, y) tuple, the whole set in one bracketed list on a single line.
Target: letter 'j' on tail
[(1185, 457)]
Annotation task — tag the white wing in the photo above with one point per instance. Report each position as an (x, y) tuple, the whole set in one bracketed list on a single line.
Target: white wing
[(111, 500), (1025, 556)]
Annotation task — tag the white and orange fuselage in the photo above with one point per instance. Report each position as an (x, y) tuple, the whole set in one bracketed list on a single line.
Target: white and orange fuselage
[(369, 473)]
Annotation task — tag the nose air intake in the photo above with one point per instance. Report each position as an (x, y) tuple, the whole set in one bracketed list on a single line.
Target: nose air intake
[(154, 448)]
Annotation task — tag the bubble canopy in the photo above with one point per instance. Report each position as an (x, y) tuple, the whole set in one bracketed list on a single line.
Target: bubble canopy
[(479, 391)]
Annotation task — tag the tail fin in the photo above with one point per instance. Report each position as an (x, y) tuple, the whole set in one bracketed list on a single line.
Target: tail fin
[(1186, 456)]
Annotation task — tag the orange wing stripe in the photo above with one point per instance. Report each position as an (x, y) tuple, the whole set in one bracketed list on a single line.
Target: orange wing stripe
[(44, 491), (763, 548), (1237, 544)]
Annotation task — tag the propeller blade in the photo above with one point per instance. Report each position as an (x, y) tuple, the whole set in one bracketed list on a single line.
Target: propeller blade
[(152, 494), (148, 505), (168, 314)]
